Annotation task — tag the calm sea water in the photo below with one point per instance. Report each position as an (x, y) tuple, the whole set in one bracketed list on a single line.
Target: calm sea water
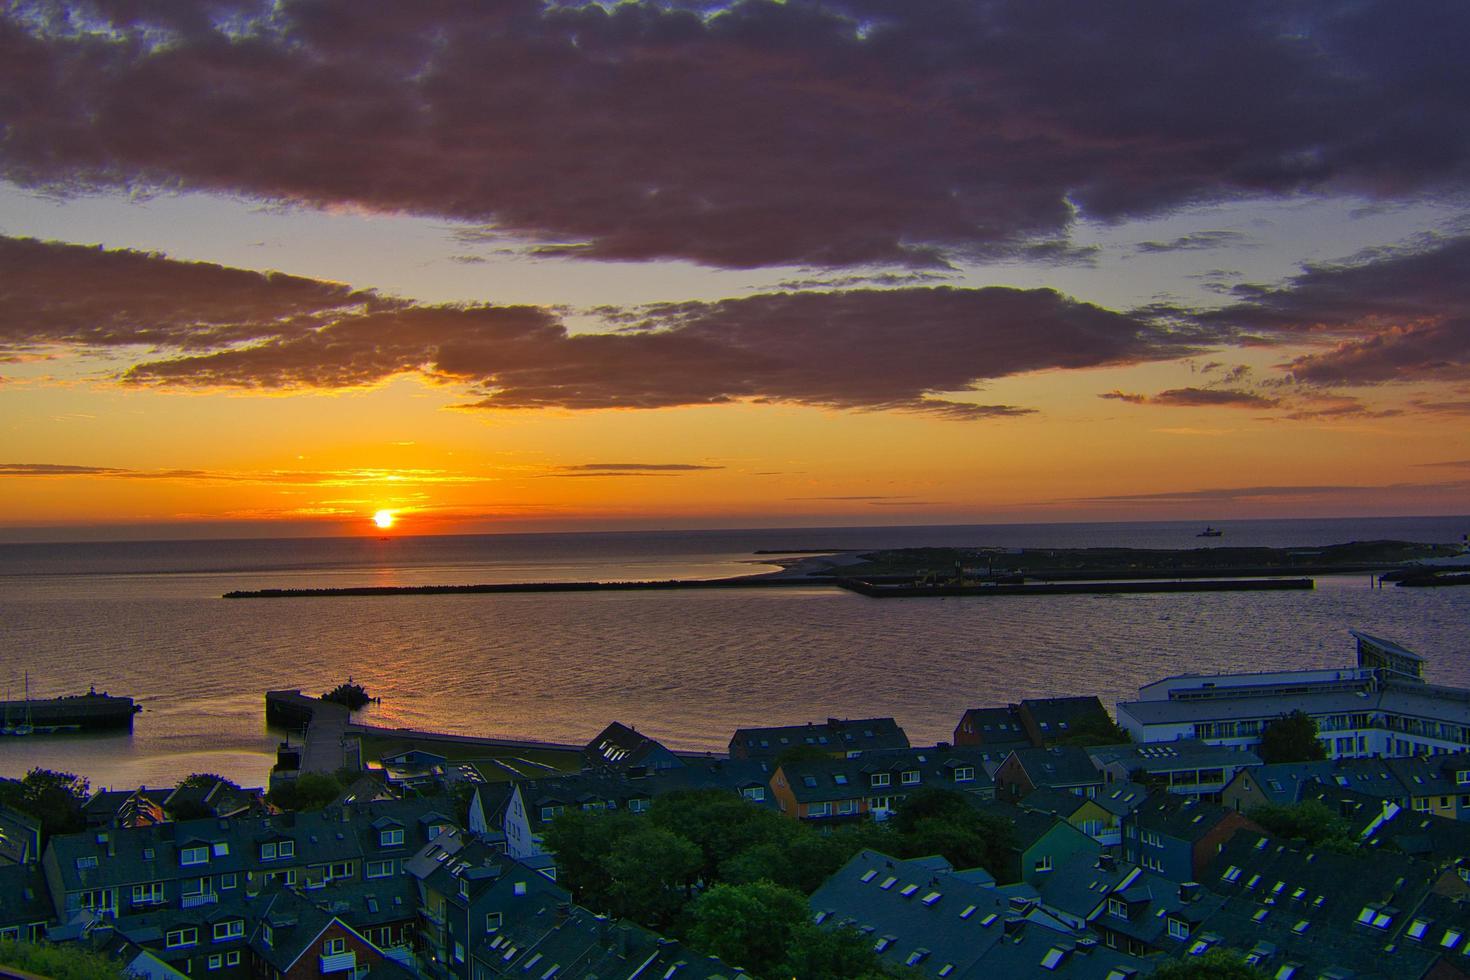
[(147, 620)]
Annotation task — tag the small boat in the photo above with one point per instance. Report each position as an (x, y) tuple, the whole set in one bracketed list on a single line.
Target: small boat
[(1210, 532)]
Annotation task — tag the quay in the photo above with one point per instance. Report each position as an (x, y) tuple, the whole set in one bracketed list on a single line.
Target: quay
[(77, 712), (877, 590)]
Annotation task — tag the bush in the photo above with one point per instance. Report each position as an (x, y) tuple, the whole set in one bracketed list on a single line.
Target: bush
[(60, 962)]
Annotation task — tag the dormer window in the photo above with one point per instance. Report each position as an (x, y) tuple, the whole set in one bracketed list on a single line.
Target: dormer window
[(879, 779), (1117, 908), (1178, 929), (909, 777), (390, 838), (193, 855), (964, 774)]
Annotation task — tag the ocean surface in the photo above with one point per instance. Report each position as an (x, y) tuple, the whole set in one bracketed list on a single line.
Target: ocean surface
[(146, 620)]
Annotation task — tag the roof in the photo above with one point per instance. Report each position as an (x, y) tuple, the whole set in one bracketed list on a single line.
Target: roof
[(24, 897), (620, 747), (1319, 909), (1054, 717), (823, 780), (919, 914), (835, 735), (1180, 817), (1066, 765), (1184, 753)]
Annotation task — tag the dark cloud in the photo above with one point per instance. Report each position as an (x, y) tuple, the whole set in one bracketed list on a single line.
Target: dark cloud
[(53, 293), (747, 133), (870, 350), (1198, 241), (58, 469), (646, 467), (1239, 494), (1197, 398), (869, 498)]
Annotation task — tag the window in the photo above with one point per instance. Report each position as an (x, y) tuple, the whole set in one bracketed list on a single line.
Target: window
[(882, 944), (149, 894), (267, 934), (390, 838), (194, 855), (1178, 929), (840, 779), (216, 961), (233, 929), (879, 779), (227, 880), (232, 958), (1117, 908), (1451, 938), (287, 848), (846, 806), (181, 937), (964, 774), (1053, 958), (1043, 864), (909, 777), (756, 793), (638, 805), (492, 921), (194, 887), (267, 852), (221, 848), (819, 809), (335, 947), (967, 911), (380, 869), (1417, 927), (87, 862), (339, 869)]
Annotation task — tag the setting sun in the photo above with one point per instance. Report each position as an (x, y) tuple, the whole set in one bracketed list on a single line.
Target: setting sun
[(383, 518)]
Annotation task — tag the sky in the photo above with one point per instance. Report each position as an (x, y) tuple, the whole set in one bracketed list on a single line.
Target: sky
[(275, 267)]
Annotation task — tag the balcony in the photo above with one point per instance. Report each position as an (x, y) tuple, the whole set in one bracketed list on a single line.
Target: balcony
[(195, 901), (338, 962)]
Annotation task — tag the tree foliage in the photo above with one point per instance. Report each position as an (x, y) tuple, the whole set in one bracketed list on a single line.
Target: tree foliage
[(1094, 731), (939, 821), (1291, 738), (1217, 964), (60, 962), (54, 798), (767, 930), (308, 791), (1309, 820), (652, 873)]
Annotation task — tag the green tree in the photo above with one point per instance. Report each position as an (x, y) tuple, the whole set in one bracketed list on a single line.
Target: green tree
[(582, 842), (308, 791), (720, 824), (939, 821), (801, 753), (747, 925), (1309, 820), (1291, 738), (204, 780), (831, 954), (651, 875), (1094, 731), (1217, 964), (54, 798), (60, 962)]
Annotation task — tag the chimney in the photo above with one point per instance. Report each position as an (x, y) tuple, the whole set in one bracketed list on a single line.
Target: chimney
[(1013, 926), (1189, 891), (1106, 862)]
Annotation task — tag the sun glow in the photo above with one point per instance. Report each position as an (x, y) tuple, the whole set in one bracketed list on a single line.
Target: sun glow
[(383, 518)]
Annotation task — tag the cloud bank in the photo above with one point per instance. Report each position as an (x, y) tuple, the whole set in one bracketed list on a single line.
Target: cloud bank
[(871, 350), (744, 133)]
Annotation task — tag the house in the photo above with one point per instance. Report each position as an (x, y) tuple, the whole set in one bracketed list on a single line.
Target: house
[(1050, 720), (998, 729), (1040, 842), (205, 798), (622, 749), (295, 939), (25, 903), (139, 807), (874, 783), (1143, 913), (837, 737), (1176, 836), (1098, 817), (20, 837), (1285, 782), (413, 769), (1187, 767), (1381, 707), (1066, 768), (926, 919), (1033, 723)]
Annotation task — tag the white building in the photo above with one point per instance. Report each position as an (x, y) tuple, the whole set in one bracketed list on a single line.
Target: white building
[(1381, 707)]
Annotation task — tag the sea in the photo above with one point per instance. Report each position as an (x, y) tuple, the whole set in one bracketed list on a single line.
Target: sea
[(147, 620)]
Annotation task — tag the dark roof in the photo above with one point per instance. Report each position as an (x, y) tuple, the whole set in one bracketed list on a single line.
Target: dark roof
[(24, 897), (619, 747), (1064, 766), (822, 780), (1055, 717), (1179, 817), (835, 735), (994, 726), (1356, 907)]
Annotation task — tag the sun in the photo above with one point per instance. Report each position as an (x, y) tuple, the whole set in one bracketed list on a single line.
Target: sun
[(383, 518)]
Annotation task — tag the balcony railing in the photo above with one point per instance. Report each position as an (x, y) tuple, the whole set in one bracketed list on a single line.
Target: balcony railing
[(337, 962), (195, 901)]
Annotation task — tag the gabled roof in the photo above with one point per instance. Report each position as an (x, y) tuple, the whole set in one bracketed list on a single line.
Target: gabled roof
[(621, 747), (1062, 766), (1180, 817), (836, 735), (1056, 717), (822, 780), (1163, 757)]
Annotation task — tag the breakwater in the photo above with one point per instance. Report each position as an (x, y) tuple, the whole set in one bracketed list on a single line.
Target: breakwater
[(877, 590)]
